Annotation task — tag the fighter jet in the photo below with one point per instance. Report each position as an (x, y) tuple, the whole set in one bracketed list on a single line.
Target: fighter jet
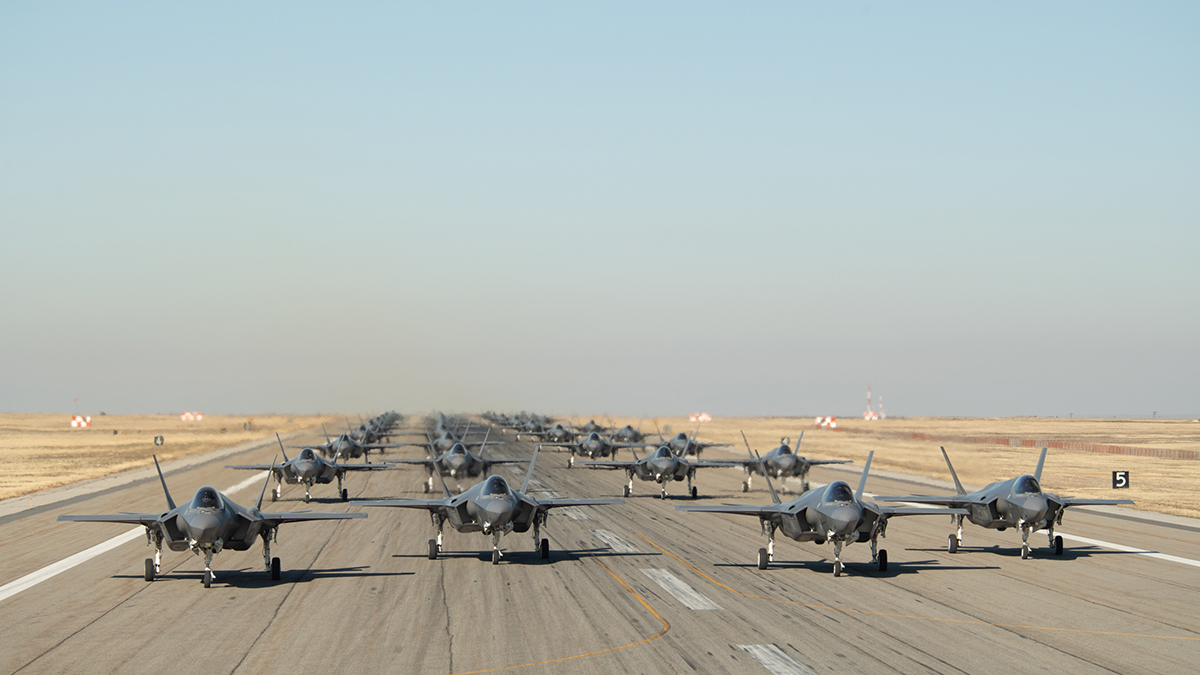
[(346, 447), (682, 445), (1017, 502), (307, 468), (593, 446), (592, 428), (662, 466), (557, 433), (458, 462), (208, 524), (833, 514), (628, 434), (781, 462), (493, 508), (446, 442)]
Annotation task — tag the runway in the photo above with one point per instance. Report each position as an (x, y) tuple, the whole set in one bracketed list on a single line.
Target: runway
[(637, 588)]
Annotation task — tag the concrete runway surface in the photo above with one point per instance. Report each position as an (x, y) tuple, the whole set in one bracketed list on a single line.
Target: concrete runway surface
[(637, 588)]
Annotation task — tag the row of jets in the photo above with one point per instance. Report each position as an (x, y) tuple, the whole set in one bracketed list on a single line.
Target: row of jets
[(835, 513)]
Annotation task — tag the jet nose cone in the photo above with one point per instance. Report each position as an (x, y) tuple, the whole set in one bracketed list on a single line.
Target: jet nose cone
[(497, 513), (202, 526), (841, 520), (1033, 508)]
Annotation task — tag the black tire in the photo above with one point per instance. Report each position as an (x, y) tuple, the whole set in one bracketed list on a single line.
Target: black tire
[(545, 549), (208, 579), (433, 550), (627, 492), (276, 569), (745, 487), (953, 547), (495, 557), (424, 487), (149, 569), (763, 559), (1058, 544), (837, 568), (274, 495), (695, 492), (345, 495), (307, 497), (883, 561), (1024, 551)]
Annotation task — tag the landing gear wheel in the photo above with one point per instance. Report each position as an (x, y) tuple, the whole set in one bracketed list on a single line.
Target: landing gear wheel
[(571, 462), (149, 569), (883, 561), (545, 549), (275, 569), (1058, 544), (695, 492), (837, 568), (345, 495), (626, 492), (763, 558), (275, 494), (495, 557), (433, 549), (208, 579), (953, 547), (424, 487), (745, 488), (1024, 551)]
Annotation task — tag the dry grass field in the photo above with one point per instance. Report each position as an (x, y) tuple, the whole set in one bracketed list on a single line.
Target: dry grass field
[(1166, 486), (42, 451)]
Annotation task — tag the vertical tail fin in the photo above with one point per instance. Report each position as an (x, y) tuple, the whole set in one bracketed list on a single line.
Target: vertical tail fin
[(862, 482), (957, 485), (258, 504), (529, 474), (770, 486), (281, 446), (483, 445), (1037, 473), (170, 502)]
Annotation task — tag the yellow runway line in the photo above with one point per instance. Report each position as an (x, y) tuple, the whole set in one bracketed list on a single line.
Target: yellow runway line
[(912, 616), (665, 628)]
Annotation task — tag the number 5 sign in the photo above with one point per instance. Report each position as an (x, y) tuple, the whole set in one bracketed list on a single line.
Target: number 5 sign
[(1120, 479)]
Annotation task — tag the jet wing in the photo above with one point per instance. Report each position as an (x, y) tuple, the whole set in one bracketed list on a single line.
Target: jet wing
[(300, 516), (890, 511), (713, 463), (556, 444), (430, 504), (362, 467), (607, 465), (504, 460), (818, 462), (952, 501), (146, 519), (426, 460), (556, 502), (1081, 501), (736, 509), (254, 467)]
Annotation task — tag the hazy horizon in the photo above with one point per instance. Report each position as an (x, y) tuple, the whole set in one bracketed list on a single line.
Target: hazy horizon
[(647, 210)]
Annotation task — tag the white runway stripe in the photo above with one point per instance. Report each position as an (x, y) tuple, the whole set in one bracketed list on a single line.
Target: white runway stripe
[(773, 659), (614, 542), (681, 591), (34, 578)]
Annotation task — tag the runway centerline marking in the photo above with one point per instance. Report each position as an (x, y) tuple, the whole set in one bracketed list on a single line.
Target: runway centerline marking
[(54, 569), (1108, 544), (970, 622), (681, 591), (614, 542), (773, 659)]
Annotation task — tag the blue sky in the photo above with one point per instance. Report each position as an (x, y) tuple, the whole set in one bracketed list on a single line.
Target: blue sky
[(980, 210)]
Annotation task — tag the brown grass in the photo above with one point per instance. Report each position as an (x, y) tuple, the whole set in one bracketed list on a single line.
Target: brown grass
[(41, 451), (1166, 486)]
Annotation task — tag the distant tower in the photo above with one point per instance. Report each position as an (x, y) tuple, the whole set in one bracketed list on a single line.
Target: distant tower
[(880, 413)]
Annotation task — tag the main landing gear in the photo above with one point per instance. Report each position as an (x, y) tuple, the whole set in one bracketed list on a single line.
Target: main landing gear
[(766, 555), (435, 545), (956, 539), (496, 554), (154, 565), (542, 546), (272, 564)]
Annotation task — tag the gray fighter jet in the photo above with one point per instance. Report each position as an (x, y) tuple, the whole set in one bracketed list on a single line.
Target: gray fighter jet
[(492, 507), (831, 514), (458, 462), (208, 524), (344, 446), (661, 466), (683, 445), (592, 428), (628, 434), (781, 462), (307, 468), (592, 446), (1017, 502), (557, 433)]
